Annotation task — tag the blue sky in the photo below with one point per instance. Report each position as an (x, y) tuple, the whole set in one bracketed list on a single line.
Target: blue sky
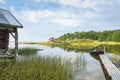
[(43, 19)]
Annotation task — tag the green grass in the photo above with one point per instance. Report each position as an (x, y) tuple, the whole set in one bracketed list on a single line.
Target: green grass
[(35, 69), (74, 43), (3, 64), (108, 43)]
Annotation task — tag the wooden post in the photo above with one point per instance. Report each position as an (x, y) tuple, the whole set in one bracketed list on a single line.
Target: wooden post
[(104, 49), (16, 42)]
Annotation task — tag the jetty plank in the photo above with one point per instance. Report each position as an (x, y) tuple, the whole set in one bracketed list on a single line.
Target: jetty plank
[(112, 70)]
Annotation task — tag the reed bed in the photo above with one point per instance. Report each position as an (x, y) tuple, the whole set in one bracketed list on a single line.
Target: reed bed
[(25, 51), (34, 68)]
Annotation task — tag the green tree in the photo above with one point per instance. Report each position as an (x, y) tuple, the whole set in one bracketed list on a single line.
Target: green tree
[(116, 36), (107, 35)]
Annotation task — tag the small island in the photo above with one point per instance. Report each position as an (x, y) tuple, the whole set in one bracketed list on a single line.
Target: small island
[(81, 40)]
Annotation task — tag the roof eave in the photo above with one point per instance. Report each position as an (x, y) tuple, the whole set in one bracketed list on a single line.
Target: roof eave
[(10, 26)]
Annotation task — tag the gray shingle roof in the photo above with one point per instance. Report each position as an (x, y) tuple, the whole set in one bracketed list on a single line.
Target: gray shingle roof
[(7, 19)]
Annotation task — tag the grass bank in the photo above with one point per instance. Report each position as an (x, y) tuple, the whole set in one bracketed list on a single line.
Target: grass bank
[(77, 44)]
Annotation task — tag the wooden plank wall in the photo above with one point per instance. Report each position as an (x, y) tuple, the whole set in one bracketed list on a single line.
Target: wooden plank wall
[(4, 39)]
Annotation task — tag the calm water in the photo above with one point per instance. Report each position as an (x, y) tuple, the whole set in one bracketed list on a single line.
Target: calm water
[(84, 65)]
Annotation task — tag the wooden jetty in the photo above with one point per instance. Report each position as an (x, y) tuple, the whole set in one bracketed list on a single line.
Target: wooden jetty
[(7, 56), (113, 73)]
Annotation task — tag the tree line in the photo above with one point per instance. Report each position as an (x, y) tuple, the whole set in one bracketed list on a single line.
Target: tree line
[(107, 35)]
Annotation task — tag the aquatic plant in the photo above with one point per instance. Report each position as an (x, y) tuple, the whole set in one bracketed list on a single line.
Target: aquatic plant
[(35, 68), (24, 51)]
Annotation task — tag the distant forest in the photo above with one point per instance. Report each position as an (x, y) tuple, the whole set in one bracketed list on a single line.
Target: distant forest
[(108, 35)]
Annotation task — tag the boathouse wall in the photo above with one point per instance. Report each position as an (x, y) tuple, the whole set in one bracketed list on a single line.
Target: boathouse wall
[(4, 40)]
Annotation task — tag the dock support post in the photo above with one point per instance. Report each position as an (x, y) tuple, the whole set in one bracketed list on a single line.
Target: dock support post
[(16, 42), (104, 49)]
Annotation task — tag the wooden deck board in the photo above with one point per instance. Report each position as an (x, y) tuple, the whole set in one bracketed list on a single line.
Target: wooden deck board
[(6, 55), (112, 70)]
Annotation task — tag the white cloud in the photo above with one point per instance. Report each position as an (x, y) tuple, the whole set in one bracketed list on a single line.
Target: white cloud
[(69, 2), (76, 3), (65, 22), (34, 16), (86, 4), (72, 3), (73, 15), (61, 18), (70, 18), (2, 1)]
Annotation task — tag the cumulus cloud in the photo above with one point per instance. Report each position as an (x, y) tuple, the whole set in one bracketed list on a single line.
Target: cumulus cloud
[(76, 3), (62, 18), (68, 18), (34, 16), (69, 2), (65, 22), (73, 15), (72, 3), (99, 11)]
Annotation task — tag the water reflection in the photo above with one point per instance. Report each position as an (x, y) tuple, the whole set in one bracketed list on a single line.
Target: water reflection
[(83, 65), (86, 68), (77, 66), (95, 56), (76, 50), (113, 49)]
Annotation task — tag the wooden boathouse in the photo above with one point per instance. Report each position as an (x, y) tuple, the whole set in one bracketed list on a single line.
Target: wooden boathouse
[(8, 26)]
